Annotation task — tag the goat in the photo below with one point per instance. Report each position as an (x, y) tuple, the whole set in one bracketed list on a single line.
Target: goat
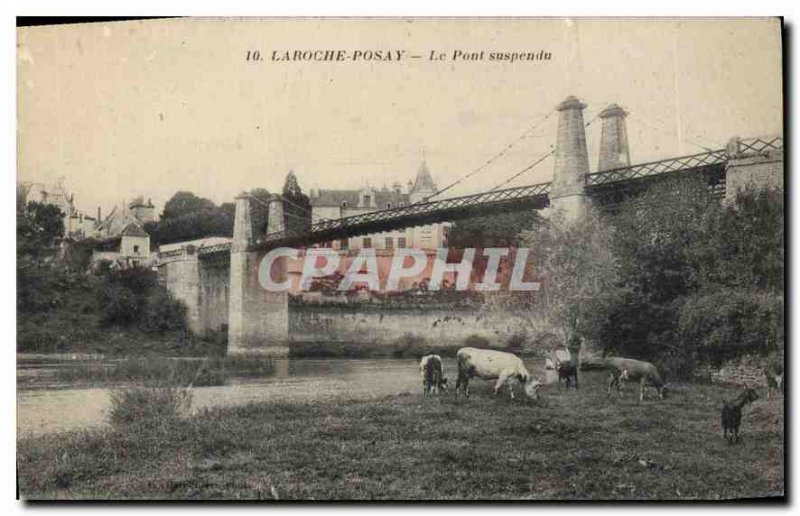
[(732, 414), (774, 374)]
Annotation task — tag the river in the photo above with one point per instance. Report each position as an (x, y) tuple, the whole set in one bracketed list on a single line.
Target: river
[(48, 410)]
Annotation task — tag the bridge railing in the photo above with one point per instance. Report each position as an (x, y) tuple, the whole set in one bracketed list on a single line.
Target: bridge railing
[(425, 212), (409, 212), (692, 161)]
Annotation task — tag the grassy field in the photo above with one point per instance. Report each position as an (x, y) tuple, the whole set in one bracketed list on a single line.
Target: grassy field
[(565, 446)]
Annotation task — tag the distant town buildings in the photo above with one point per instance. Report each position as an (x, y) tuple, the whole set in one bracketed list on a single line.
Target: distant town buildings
[(121, 236), (335, 204), (76, 223)]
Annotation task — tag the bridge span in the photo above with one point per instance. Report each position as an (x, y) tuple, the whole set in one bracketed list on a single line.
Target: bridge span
[(219, 282)]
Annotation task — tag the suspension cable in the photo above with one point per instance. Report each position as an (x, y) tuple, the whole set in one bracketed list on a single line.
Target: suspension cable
[(494, 158)]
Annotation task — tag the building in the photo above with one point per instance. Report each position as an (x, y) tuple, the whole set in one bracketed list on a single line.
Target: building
[(335, 204), (76, 224), (128, 249), (120, 217)]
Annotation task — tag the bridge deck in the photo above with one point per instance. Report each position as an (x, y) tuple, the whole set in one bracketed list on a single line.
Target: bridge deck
[(511, 199)]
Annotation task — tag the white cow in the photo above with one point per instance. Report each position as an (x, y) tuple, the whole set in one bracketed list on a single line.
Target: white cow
[(489, 365)]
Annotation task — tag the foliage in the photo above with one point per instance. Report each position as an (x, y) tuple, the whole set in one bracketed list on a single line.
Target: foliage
[(189, 217), (497, 230), (578, 273), (700, 282), (297, 208), (727, 324), (39, 227), (743, 244), (259, 211), (148, 407)]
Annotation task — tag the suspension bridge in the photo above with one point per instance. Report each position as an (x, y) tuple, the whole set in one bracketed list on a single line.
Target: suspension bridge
[(220, 286)]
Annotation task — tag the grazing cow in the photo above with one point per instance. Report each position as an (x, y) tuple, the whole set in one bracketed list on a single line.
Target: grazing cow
[(432, 372), (567, 371), (628, 369), (732, 414), (488, 365), (774, 374)]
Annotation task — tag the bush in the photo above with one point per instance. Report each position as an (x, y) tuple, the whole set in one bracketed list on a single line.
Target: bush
[(119, 306), (476, 341), (148, 407), (517, 340), (729, 324), (163, 312)]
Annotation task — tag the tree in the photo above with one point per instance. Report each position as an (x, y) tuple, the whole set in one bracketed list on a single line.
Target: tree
[(39, 227), (653, 235), (259, 211), (578, 274), (297, 205), (186, 203), (497, 230), (189, 217)]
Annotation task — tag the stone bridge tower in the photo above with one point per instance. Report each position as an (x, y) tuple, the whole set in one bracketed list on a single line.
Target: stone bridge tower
[(568, 199), (258, 319)]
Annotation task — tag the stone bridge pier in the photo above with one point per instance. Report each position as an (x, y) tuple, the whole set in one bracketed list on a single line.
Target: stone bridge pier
[(258, 321)]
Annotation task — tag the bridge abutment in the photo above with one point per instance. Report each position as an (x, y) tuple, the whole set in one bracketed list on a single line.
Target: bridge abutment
[(258, 319), (749, 168), (568, 200)]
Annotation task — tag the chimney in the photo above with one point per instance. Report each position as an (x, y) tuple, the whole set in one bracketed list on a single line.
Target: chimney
[(98, 214), (571, 160), (613, 139)]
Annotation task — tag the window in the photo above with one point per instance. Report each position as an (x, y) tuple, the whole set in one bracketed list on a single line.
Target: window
[(401, 242), (343, 244), (367, 200), (389, 243), (136, 249), (388, 206), (402, 204), (367, 243), (344, 205)]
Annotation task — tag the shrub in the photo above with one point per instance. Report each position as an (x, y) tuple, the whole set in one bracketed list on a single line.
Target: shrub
[(730, 323), (163, 312), (148, 407), (476, 341), (119, 306), (517, 340)]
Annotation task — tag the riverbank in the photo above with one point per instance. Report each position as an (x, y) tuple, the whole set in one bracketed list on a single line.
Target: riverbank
[(568, 445)]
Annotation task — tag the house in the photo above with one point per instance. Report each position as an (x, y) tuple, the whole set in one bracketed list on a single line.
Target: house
[(128, 249), (336, 204)]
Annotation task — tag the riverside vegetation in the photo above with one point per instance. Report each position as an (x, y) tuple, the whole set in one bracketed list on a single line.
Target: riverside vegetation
[(574, 446)]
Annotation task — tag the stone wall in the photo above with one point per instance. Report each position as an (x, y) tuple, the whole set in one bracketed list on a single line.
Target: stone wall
[(759, 171), (214, 296), (380, 326), (747, 372), (182, 278)]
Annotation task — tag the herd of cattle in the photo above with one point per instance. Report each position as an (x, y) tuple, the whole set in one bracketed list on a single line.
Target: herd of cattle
[(508, 369)]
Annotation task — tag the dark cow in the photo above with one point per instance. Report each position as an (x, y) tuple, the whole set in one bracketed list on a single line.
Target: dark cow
[(432, 372), (567, 371)]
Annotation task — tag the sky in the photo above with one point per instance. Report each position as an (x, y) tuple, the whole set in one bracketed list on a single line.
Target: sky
[(148, 108)]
